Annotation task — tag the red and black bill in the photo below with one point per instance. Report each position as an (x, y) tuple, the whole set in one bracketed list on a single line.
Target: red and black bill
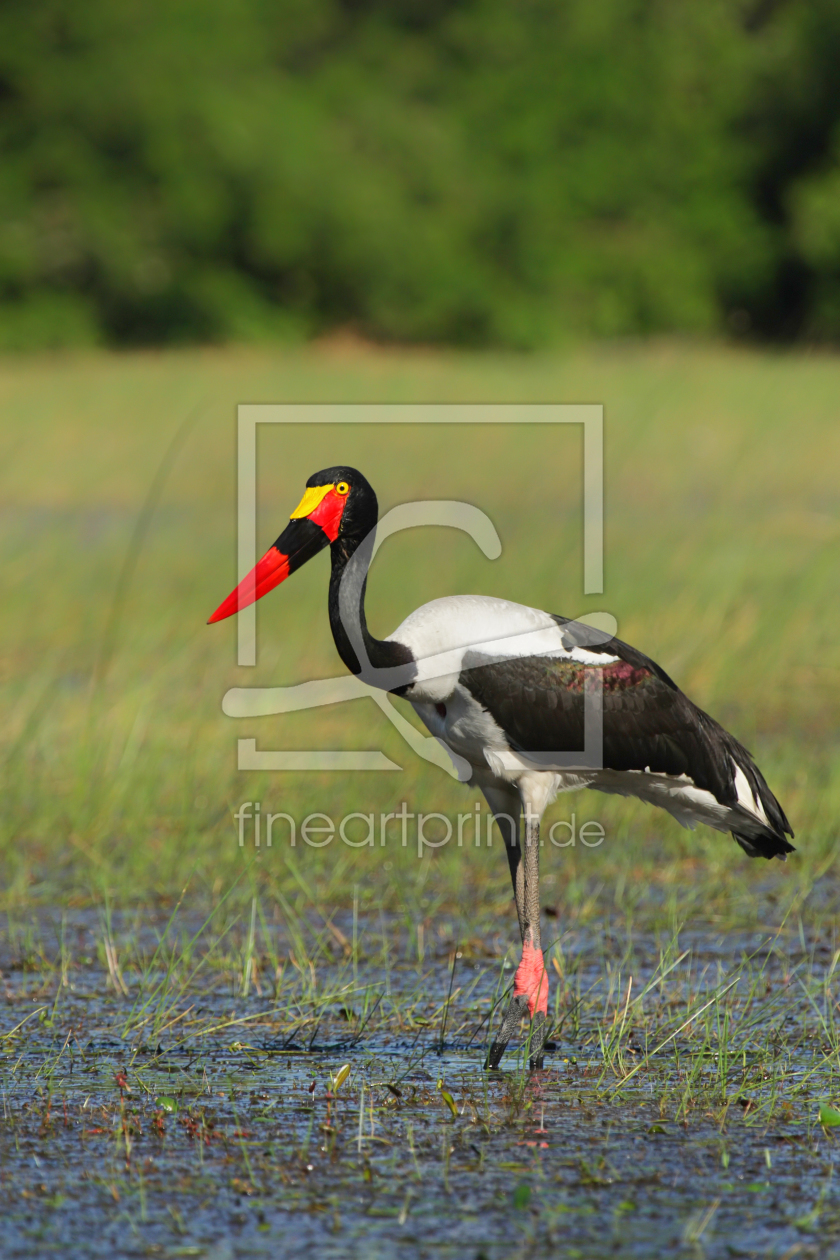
[(313, 525)]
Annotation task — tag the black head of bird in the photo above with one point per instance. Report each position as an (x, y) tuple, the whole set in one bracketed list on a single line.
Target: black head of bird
[(338, 509)]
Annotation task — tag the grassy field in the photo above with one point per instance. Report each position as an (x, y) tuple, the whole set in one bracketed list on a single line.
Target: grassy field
[(721, 547), (131, 906)]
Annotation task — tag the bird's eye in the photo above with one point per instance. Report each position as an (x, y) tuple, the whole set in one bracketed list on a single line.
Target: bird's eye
[(342, 488)]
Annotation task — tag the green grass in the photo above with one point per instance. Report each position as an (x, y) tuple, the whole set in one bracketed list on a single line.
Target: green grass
[(118, 765)]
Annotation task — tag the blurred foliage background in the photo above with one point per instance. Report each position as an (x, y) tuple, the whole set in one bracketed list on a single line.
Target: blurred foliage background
[(473, 172)]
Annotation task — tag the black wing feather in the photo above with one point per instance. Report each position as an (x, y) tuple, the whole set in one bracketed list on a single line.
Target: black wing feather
[(648, 723)]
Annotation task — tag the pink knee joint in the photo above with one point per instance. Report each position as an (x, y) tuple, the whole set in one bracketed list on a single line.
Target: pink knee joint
[(531, 980)]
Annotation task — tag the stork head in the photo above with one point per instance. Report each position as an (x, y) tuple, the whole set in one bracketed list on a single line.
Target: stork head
[(338, 506)]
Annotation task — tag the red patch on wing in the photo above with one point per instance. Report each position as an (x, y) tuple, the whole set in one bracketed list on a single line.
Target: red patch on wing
[(328, 513), (531, 979), (266, 574), (620, 675)]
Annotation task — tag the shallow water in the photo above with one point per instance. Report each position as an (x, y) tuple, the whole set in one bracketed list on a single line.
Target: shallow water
[(185, 1117)]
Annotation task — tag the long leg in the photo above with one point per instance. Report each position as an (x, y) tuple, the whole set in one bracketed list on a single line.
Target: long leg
[(530, 983), (530, 986), (531, 979), (506, 807)]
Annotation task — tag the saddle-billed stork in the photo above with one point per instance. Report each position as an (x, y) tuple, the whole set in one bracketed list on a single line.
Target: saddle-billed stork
[(497, 681)]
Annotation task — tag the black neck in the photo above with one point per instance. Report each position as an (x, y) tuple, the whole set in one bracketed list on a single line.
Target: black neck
[(381, 659)]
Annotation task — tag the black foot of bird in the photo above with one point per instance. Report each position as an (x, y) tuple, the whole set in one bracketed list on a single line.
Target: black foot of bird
[(515, 1013)]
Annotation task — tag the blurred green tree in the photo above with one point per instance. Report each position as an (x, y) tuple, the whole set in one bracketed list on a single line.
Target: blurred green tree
[(484, 172)]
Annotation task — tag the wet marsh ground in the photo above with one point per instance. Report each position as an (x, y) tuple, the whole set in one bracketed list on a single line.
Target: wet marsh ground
[(176, 1010), (183, 1087)]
